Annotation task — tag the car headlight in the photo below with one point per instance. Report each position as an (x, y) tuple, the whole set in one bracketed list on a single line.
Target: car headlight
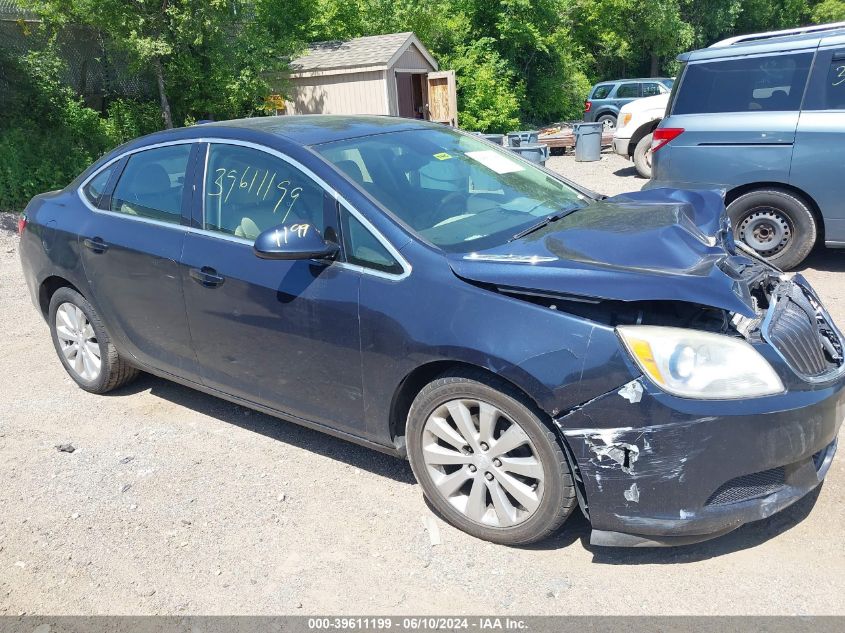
[(694, 364)]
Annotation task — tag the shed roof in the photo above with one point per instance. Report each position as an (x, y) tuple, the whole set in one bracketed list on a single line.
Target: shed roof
[(374, 52)]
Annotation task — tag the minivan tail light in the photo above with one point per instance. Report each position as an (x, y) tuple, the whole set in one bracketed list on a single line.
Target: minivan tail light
[(21, 224), (588, 105), (663, 135)]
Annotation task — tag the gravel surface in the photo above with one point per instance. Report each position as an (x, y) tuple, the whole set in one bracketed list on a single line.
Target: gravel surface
[(173, 501)]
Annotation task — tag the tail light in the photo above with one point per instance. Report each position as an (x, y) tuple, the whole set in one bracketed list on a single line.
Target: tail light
[(663, 135), (21, 223), (588, 105)]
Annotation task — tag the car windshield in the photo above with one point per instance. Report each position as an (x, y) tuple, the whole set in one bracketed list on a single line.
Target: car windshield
[(457, 192)]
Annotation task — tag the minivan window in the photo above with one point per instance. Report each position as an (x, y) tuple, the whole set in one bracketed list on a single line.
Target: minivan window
[(764, 83), (456, 191), (628, 91), (152, 184), (601, 92), (248, 191), (827, 89)]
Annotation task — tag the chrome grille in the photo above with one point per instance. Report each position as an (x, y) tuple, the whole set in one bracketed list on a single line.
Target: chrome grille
[(794, 332)]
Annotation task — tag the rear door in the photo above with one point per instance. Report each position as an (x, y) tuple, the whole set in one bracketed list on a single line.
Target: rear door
[(818, 164), (739, 117), (131, 244), (282, 334)]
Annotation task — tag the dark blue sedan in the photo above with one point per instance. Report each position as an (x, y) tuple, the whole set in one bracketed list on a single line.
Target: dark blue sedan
[(530, 346)]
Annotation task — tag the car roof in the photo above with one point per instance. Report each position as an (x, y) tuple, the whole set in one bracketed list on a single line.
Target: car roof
[(777, 41), (610, 82), (313, 129)]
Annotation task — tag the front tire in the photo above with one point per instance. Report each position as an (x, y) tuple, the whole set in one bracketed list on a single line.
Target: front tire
[(776, 223), (84, 346), (486, 461), (642, 156)]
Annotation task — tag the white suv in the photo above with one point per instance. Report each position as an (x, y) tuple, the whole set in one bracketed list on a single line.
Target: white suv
[(632, 137)]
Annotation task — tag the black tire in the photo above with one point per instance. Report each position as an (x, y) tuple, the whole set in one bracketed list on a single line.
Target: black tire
[(114, 370), (642, 156), (558, 498), (767, 214), (608, 120)]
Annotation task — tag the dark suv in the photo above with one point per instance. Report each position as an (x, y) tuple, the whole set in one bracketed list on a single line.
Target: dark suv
[(607, 97), (762, 118)]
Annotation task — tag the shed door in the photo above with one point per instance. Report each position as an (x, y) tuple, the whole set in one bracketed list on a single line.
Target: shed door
[(442, 97)]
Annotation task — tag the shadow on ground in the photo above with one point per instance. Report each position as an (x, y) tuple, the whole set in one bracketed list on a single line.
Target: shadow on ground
[(828, 259), (9, 222), (274, 428), (577, 528)]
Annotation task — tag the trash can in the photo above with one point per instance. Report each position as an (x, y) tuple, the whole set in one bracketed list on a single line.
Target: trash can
[(587, 141), (494, 138), (535, 152), (515, 139)]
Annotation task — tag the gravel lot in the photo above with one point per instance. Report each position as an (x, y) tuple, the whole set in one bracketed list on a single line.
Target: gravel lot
[(177, 502)]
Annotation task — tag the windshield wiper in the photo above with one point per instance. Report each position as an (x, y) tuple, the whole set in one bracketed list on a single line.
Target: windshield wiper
[(554, 217)]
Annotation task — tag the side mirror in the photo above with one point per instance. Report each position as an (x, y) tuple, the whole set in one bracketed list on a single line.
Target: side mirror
[(293, 241)]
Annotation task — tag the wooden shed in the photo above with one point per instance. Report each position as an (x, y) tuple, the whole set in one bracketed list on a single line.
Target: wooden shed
[(382, 74)]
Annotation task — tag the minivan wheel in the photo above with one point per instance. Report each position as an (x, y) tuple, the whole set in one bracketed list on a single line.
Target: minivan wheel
[(607, 120), (775, 223), (83, 345), (486, 461), (642, 156)]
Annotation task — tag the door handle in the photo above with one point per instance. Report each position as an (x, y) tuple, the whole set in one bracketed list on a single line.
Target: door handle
[(95, 244), (206, 276)]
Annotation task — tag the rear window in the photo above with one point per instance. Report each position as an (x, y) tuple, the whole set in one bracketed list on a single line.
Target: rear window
[(767, 83), (628, 91), (601, 92)]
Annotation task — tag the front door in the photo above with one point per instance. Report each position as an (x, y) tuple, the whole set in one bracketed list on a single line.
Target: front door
[(282, 334), (818, 163), (130, 252)]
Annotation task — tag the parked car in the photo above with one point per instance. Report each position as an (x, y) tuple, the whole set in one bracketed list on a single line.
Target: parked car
[(529, 345), (632, 136), (762, 117), (607, 97)]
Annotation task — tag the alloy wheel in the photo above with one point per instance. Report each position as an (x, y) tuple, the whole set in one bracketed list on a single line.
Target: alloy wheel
[(78, 342), (482, 462)]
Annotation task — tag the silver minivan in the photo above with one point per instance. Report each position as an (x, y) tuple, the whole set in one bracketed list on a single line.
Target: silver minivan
[(762, 117)]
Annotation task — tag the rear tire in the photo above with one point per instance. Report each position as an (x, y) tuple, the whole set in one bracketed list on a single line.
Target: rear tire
[(776, 223), (509, 482), (84, 346), (642, 156), (607, 120)]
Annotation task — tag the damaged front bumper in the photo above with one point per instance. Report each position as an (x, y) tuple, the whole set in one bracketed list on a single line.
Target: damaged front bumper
[(683, 471)]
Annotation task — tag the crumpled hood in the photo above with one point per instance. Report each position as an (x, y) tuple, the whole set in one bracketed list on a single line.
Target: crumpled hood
[(661, 244)]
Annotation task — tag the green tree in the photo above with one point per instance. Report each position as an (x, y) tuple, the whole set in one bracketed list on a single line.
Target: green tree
[(208, 57), (829, 11)]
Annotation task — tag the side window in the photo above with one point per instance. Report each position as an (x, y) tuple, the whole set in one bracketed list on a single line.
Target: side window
[(827, 90), (651, 89), (601, 92), (152, 184), (628, 91), (364, 249), (95, 187), (767, 83), (248, 191)]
